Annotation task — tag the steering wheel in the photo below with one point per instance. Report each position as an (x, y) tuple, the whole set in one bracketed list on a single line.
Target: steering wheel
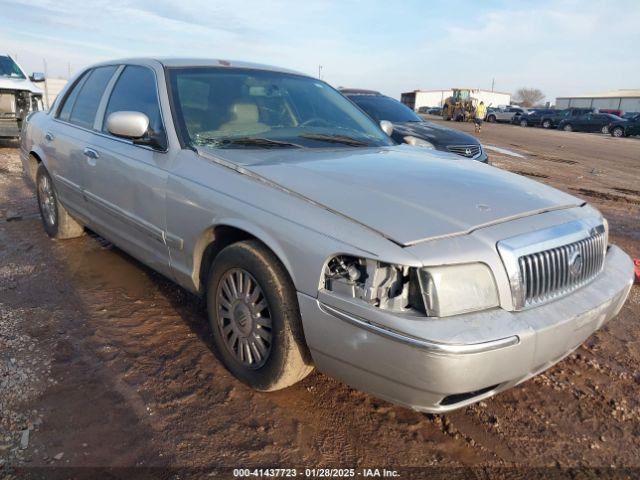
[(317, 120)]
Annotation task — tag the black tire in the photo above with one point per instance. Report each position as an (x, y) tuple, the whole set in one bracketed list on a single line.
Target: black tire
[(546, 124), (567, 127), (55, 219), (491, 119), (288, 360), (605, 129), (617, 132), (524, 123)]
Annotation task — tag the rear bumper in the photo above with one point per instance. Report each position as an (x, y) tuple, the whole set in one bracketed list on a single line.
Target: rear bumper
[(437, 376)]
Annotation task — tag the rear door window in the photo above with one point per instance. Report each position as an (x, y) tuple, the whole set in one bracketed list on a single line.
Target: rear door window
[(136, 91), (86, 104), (65, 111)]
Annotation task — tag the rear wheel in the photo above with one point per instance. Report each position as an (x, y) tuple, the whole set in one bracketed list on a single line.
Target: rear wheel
[(255, 319), (546, 124), (523, 123), (605, 129), (55, 219), (617, 132), (491, 119), (567, 128)]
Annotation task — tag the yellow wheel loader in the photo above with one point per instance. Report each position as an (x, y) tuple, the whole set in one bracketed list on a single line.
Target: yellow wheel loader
[(460, 106)]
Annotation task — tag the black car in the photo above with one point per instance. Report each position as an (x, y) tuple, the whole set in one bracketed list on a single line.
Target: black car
[(534, 117), (625, 126), (410, 128), (588, 122), (554, 117)]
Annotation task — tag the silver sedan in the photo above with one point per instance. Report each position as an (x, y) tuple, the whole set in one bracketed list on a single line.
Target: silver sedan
[(422, 277)]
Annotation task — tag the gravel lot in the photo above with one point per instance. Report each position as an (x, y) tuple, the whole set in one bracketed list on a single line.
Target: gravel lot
[(105, 363)]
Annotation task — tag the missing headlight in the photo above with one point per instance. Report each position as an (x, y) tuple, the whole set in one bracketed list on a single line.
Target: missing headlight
[(387, 286)]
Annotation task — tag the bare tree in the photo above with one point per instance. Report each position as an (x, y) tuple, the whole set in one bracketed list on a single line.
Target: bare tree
[(528, 97)]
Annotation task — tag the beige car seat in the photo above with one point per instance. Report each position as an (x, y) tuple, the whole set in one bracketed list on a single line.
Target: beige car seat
[(245, 120)]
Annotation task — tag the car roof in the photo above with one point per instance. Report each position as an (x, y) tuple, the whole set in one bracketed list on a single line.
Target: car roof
[(171, 62), (359, 91)]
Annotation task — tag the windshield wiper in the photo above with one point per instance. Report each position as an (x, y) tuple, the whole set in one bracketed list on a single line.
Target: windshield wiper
[(248, 142), (335, 138)]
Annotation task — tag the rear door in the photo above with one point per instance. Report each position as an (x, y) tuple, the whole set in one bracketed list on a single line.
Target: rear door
[(124, 182), (582, 122), (69, 133)]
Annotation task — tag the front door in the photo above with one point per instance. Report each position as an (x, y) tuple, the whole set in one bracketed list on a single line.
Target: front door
[(124, 182)]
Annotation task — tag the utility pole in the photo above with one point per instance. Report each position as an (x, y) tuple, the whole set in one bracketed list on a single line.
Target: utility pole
[(493, 82), (46, 89), (320, 72)]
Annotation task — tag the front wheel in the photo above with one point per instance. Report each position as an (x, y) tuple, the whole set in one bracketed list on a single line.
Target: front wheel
[(567, 128), (254, 315), (617, 132), (55, 219), (546, 124), (605, 130), (491, 119), (523, 123)]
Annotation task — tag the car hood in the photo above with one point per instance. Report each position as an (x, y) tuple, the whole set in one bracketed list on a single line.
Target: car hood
[(402, 192), (435, 133), (9, 83)]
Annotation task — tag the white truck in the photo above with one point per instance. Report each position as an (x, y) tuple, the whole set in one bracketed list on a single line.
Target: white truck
[(19, 96)]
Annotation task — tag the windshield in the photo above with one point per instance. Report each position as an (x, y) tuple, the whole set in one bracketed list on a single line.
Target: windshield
[(244, 108), (381, 108), (9, 68)]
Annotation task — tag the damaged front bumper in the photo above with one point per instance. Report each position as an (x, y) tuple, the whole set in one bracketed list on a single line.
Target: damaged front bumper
[(448, 363), (15, 106)]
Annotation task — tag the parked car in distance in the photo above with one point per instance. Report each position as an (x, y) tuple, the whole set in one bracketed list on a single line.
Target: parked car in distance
[(588, 122), (435, 111), (413, 129), (315, 239), (19, 96), (553, 118), (424, 110), (534, 117), (504, 114), (625, 127)]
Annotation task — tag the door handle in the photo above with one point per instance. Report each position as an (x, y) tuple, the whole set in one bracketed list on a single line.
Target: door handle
[(90, 153), (49, 136)]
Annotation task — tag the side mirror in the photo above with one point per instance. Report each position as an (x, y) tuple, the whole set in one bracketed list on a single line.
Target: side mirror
[(37, 77), (132, 125), (386, 126)]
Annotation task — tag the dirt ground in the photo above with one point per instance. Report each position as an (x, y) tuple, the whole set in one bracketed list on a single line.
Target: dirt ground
[(105, 363)]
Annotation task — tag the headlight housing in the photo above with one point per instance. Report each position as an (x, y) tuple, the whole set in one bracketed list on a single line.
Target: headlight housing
[(439, 291), (418, 142), (454, 289)]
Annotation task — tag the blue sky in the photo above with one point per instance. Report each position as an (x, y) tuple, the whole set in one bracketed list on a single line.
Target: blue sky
[(562, 47)]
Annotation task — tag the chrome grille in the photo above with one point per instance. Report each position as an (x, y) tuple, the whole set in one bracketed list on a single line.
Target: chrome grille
[(554, 272), (469, 151)]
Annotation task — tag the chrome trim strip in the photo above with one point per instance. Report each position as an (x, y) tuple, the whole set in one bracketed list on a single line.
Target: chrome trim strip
[(68, 183), (428, 345), (173, 241), (145, 227)]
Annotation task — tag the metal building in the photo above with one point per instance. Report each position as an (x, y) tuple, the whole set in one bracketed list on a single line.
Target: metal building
[(626, 100), (436, 98)]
